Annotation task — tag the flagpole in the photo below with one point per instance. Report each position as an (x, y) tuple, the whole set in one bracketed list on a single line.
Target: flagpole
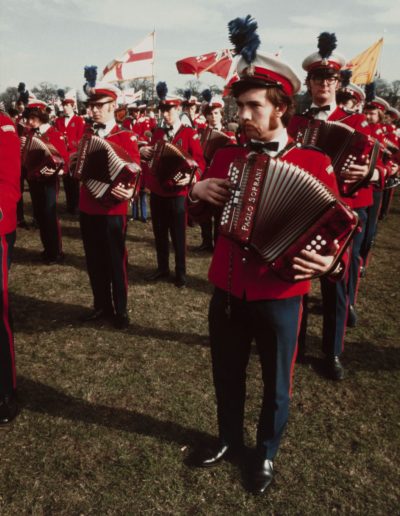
[(154, 59)]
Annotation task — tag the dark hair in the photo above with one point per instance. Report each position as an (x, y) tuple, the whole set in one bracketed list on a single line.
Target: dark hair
[(37, 113), (273, 93), (371, 107), (13, 112), (343, 96)]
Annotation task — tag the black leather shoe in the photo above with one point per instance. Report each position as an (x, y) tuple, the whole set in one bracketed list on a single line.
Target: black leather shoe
[(59, 259), (352, 317), (180, 281), (210, 458), (334, 368), (96, 315), (261, 476), (8, 409), (23, 224), (158, 275), (121, 321), (205, 247)]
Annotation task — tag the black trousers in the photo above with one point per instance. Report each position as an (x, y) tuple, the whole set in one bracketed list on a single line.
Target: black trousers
[(71, 188), (273, 324), (7, 354), (168, 215), (44, 203), (106, 260)]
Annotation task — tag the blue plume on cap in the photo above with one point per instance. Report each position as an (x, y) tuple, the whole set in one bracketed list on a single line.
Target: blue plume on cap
[(91, 75), (243, 35), (21, 87), (187, 94), (24, 96), (61, 93), (162, 90), (327, 43), (369, 92), (345, 76), (207, 95)]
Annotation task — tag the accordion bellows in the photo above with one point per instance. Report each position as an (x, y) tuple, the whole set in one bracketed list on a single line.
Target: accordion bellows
[(277, 209), (36, 155), (101, 165), (211, 140), (170, 163), (344, 145)]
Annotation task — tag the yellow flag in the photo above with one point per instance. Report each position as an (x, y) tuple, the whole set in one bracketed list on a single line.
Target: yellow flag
[(364, 65)]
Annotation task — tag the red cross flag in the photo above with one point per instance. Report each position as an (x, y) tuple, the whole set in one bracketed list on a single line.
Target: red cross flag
[(218, 63), (136, 63)]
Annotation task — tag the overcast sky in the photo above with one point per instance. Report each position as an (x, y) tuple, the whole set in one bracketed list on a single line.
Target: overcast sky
[(52, 40)]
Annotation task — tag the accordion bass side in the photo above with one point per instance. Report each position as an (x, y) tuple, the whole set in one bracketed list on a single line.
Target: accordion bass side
[(36, 155), (102, 165), (345, 146), (278, 209), (171, 163), (211, 140)]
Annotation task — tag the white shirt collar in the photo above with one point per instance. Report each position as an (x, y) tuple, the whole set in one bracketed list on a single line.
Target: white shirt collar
[(109, 126), (176, 126), (43, 129)]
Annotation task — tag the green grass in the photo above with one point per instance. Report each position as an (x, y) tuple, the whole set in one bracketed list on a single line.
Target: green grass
[(109, 418)]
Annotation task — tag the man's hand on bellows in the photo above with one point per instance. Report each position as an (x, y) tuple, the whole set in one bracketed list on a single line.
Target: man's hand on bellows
[(146, 152), (121, 193), (46, 171), (214, 190), (307, 264), (355, 173)]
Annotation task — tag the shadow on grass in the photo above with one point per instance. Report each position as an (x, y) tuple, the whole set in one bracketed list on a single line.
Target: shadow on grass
[(41, 398), (25, 256), (37, 315), (357, 356)]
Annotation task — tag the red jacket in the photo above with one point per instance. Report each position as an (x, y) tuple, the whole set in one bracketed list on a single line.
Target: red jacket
[(87, 203), (10, 171), (73, 132), (363, 197), (186, 138), (250, 276)]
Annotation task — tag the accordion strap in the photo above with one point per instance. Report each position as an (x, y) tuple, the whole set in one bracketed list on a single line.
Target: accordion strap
[(286, 149)]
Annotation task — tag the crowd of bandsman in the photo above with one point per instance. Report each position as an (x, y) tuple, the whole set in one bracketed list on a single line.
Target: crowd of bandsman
[(250, 301)]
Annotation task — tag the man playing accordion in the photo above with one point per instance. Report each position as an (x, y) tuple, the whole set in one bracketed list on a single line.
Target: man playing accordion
[(250, 301), (103, 224), (168, 198), (338, 299)]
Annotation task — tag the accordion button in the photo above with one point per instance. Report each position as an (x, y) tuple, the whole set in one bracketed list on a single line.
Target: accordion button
[(323, 242), (318, 237), (244, 260), (313, 242), (308, 247), (318, 247)]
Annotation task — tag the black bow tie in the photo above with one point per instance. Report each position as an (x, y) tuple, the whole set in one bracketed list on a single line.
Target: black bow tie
[(97, 126), (258, 146), (314, 110)]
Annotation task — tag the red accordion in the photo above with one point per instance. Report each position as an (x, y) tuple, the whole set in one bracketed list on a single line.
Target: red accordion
[(102, 165), (211, 140), (344, 145), (171, 163), (278, 209), (36, 154)]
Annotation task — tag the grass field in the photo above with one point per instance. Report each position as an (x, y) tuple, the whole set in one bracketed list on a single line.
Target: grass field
[(109, 418)]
